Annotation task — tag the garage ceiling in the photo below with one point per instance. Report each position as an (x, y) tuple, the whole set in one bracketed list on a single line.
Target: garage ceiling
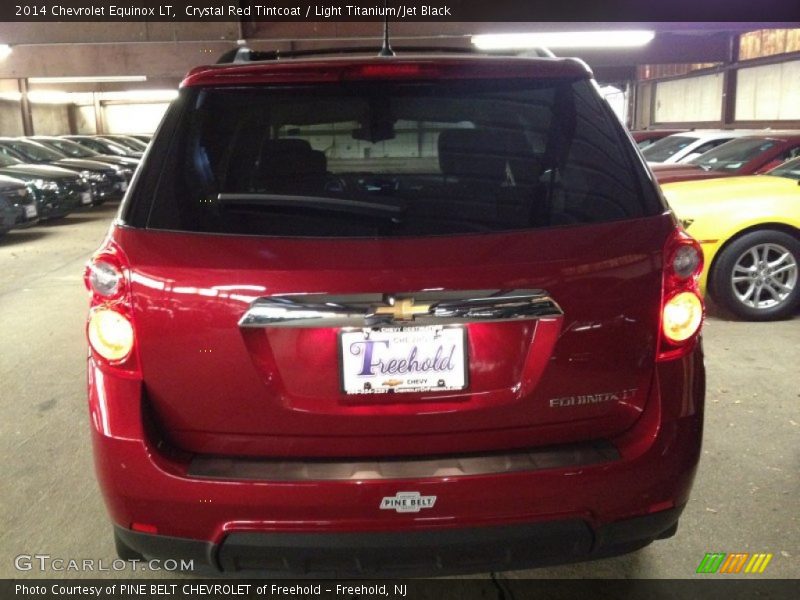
[(165, 51)]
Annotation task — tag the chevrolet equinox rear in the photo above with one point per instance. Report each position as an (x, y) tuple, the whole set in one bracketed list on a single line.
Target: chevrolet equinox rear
[(393, 316)]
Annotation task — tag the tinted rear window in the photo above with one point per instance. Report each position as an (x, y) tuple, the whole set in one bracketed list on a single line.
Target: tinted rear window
[(379, 159)]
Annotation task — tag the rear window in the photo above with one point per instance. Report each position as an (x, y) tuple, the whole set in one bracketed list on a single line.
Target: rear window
[(381, 159)]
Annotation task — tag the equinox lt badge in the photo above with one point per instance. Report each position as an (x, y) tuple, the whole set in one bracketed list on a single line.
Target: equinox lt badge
[(407, 502)]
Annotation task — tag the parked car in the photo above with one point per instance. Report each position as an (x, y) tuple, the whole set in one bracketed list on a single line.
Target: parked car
[(126, 164), (142, 137), (8, 215), (9, 188), (102, 146), (105, 180), (647, 137), (126, 141), (747, 155), (749, 228), (417, 346), (58, 191), (684, 147), (17, 203)]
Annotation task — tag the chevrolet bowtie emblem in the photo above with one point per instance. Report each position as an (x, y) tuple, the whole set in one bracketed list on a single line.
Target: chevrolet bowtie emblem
[(403, 309)]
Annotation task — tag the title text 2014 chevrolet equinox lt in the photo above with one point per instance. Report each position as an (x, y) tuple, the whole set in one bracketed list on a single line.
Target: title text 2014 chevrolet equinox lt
[(409, 315)]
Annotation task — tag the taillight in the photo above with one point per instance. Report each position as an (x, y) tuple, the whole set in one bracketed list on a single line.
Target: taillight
[(104, 278), (681, 305), (110, 328), (110, 334), (682, 316), (391, 70)]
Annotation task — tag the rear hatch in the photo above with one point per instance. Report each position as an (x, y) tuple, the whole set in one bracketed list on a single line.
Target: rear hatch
[(386, 268)]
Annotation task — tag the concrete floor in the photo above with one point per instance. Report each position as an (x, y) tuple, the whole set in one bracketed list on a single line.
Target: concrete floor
[(745, 497)]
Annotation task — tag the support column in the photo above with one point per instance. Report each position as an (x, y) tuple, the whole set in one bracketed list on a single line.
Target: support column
[(99, 121), (72, 120), (631, 92), (25, 108), (729, 83)]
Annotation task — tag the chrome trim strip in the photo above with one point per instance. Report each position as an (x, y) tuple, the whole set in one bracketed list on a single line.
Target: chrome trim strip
[(553, 457), (376, 310)]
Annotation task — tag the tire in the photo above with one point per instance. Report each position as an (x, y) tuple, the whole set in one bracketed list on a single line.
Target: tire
[(124, 551), (756, 276)]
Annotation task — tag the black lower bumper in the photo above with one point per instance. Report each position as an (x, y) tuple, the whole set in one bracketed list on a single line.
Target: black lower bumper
[(413, 553), (25, 222)]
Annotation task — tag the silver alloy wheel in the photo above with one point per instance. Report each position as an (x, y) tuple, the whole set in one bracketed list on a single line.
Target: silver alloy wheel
[(764, 276)]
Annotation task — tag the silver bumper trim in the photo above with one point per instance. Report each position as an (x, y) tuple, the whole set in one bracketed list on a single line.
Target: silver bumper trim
[(376, 310)]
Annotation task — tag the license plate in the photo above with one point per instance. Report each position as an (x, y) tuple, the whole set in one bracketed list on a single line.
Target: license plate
[(408, 359), (30, 212), (86, 197)]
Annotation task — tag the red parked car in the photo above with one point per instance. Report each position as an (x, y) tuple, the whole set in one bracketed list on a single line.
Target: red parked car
[(750, 155), (413, 315)]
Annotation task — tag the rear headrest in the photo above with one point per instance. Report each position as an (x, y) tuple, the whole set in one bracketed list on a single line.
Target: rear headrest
[(270, 146), (487, 154), (319, 162), (290, 157)]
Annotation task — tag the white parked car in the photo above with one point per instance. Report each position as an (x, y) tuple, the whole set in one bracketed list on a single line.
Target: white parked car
[(683, 147)]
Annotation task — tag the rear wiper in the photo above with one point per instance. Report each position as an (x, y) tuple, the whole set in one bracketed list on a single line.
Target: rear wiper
[(257, 200)]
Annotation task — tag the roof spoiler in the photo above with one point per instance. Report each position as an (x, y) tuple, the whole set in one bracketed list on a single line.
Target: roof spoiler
[(244, 54)]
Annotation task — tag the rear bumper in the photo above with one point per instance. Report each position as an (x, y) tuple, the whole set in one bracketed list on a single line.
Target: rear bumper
[(8, 218), (421, 553), (519, 518), (23, 221)]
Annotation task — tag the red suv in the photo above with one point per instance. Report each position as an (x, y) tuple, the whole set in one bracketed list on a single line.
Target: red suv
[(413, 315)]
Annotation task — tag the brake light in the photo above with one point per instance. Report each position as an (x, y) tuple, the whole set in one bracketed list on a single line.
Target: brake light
[(682, 306), (110, 334), (110, 329), (682, 316), (391, 71)]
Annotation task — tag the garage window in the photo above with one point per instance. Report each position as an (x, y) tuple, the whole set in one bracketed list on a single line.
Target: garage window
[(768, 92)]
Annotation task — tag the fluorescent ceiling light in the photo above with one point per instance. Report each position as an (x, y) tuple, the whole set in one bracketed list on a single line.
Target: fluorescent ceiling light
[(5, 50), (140, 95), (97, 79), (61, 97), (563, 39), (57, 97)]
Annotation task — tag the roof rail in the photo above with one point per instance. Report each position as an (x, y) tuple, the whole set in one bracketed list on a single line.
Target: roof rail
[(246, 55)]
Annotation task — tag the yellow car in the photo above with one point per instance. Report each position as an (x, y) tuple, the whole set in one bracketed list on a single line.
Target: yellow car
[(749, 228)]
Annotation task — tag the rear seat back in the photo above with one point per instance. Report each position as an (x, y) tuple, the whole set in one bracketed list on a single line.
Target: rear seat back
[(290, 165)]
